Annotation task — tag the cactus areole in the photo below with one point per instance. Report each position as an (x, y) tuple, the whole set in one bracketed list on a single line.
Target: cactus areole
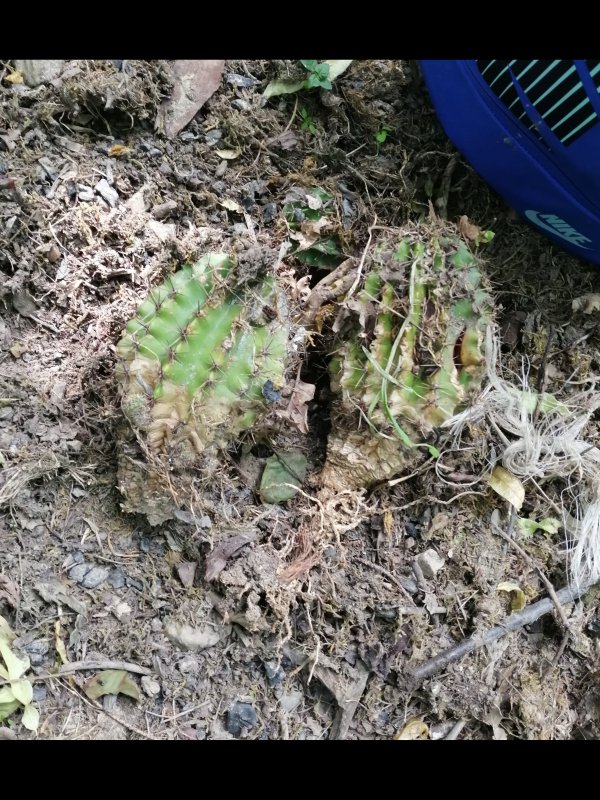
[(409, 352), (194, 361)]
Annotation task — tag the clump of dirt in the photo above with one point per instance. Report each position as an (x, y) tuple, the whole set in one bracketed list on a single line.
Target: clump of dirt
[(236, 618)]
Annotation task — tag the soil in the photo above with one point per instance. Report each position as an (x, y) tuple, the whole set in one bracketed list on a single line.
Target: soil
[(236, 619)]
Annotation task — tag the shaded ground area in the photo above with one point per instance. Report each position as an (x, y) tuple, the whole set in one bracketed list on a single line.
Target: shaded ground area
[(305, 620)]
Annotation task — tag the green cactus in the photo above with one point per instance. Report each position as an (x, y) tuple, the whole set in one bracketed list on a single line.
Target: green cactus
[(409, 353), (201, 359)]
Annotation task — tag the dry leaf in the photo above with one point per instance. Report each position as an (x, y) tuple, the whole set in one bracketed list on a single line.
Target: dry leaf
[(9, 591), (216, 561), (388, 523), (118, 151), (14, 77), (507, 486), (297, 410), (193, 83), (415, 729), (187, 572), (231, 205), (517, 595), (111, 681), (468, 230), (229, 155), (337, 67), (59, 644)]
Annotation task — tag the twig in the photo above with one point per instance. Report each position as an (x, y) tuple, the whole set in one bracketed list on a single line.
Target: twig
[(100, 708), (82, 666), (388, 575), (362, 260), (514, 622), (559, 609), (456, 729)]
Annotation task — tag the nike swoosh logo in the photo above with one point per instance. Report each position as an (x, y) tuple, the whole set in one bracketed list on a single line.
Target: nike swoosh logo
[(569, 234)]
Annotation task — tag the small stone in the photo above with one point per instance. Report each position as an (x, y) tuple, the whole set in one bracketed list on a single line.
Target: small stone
[(39, 694), (187, 572), (243, 81), (122, 611), (86, 195), (116, 578), (134, 583), (163, 210), (189, 638), (241, 716), (212, 137), (269, 213), (240, 104), (290, 701), (275, 674), (187, 664), (95, 577), (430, 563), (107, 192), (53, 254), (150, 685), (37, 651), (79, 571)]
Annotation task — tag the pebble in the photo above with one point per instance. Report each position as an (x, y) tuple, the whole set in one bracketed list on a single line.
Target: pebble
[(39, 694), (241, 716), (37, 651), (290, 701), (189, 638), (214, 136), (95, 577), (269, 213), (150, 685), (116, 578), (275, 674), (79, 571), (244, 81), (430, 563), (107, 192)]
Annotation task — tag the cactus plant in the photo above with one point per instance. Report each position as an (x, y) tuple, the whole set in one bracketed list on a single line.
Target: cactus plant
[(200, 361), (409, 352)]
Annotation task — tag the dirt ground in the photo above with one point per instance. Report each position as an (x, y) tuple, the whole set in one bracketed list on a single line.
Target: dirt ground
[(238, 619)]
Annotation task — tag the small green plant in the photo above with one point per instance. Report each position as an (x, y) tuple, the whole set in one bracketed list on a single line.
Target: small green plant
[(318, 74), (308, 123), (381, 136), (16, 693)]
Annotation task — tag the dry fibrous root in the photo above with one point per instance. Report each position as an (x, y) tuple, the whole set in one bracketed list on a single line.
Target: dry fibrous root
[(204, 360), (408, 352), (544, 440)]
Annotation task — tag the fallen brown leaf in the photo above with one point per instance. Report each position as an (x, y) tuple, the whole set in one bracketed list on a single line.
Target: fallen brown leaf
[(297, 410), (216, 561), (194, 83)]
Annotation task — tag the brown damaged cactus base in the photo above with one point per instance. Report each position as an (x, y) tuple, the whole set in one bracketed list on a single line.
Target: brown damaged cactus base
[(357, 461), (407, 353)]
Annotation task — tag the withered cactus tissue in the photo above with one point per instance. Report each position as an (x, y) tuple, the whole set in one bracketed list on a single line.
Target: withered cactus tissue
[(408, 352), (200, 361)]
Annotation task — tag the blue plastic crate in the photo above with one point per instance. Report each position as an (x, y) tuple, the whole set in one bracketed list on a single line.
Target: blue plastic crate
[(531, 129)]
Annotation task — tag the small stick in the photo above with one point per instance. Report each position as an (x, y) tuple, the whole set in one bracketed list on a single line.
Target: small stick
[(559, 609), (513, 623), (388, 575), (82, 666)]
